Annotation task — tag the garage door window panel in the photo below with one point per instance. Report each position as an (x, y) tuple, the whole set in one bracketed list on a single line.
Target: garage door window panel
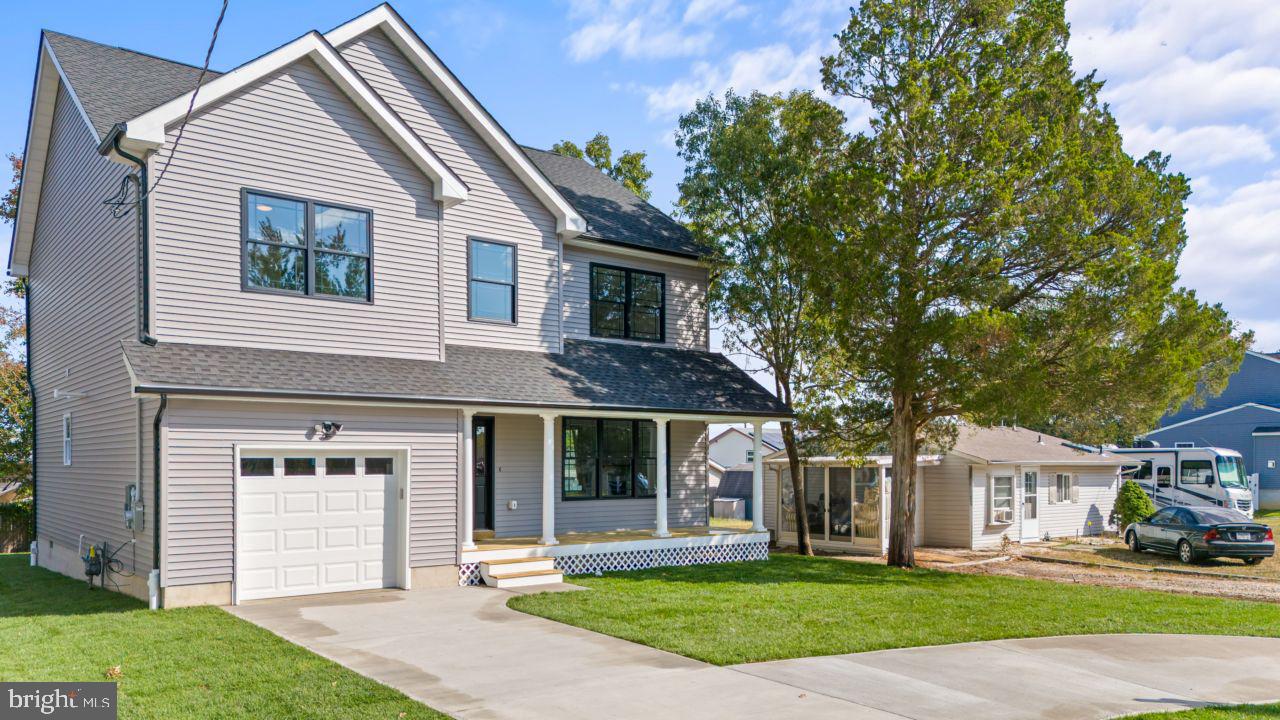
[(299, 466), (340, 466), (257, 466)]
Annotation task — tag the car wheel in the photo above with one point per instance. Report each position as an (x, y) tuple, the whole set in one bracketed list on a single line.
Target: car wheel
[(1252, 560), (1185, 553), (1134, 543)]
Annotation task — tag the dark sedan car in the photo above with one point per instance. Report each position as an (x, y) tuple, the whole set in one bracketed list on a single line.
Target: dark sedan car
[(1193, 533)]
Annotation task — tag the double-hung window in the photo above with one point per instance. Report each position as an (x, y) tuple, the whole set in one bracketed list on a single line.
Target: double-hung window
[(1002, 500), (303, 247), (491, 281), (608, 458), (1064, 489), (629, 304)]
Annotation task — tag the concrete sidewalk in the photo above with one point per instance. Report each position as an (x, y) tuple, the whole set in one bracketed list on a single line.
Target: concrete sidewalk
[(462, 651)]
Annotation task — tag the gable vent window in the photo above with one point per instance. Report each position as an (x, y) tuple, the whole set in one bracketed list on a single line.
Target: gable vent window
[(629, 304), (298, 246)]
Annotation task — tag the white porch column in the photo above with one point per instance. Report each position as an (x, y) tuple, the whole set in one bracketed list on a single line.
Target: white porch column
[(660, 520), (548, 480), (757, 477), (468, 481)]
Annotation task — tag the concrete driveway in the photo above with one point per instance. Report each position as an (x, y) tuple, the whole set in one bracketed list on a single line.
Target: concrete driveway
[(462, 651)]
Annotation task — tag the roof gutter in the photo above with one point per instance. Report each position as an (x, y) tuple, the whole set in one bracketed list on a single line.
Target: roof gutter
[(144, 224), (219, 392)]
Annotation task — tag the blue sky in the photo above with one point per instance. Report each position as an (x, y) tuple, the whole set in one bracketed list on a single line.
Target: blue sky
[(1198, 80)]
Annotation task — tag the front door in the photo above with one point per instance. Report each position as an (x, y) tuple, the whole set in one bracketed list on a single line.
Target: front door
[(1030, 504), (482, 433)]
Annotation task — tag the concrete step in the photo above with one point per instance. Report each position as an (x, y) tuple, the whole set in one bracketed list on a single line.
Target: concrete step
[(515, 565), (522, 579)]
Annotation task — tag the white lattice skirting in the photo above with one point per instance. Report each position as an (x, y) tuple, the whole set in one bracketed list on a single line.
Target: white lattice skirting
[(469, 573)]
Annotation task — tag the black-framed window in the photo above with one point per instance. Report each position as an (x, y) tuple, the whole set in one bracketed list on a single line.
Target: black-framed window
[(628, 303), (305, 247), (607, 458), (491, 281)]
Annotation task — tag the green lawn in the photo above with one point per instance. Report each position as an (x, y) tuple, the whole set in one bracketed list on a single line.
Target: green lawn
[(188, 663), (794, 606), (1228, 712)]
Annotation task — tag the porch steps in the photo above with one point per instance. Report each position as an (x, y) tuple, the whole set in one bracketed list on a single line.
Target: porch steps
[(520, 572)]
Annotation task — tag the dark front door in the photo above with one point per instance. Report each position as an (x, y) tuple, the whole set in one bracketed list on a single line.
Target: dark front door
[(482, 432)]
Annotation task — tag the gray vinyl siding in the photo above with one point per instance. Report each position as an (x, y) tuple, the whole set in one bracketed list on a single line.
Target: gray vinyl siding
[(498, 206), (946, 503), (1089, 516), (1098, 488), (199, 469), (83, 280), (294, 133), (1234, 430), (518, 455), (686, 292)]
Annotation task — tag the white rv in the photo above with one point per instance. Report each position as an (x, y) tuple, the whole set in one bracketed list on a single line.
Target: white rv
[(1190, 476)]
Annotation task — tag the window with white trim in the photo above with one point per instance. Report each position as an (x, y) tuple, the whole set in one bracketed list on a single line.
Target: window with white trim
[(751, 455), (1065, 489), (1001, 503), (66, 439)]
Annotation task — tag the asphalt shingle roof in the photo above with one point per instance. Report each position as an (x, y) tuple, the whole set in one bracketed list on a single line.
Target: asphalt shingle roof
[(587, 374), (1018, 444), (115, 85), (613, 213)]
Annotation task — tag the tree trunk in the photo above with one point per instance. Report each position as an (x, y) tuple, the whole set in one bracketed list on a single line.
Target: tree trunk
[(902, 436), (797, 488)]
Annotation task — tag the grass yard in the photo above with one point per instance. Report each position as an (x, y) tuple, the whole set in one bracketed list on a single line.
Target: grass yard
[(795, 606), (1226, 712), (186, 663)]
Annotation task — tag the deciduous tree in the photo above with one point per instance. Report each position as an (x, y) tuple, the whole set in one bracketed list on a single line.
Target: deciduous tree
[(754, 171), (629, 169)]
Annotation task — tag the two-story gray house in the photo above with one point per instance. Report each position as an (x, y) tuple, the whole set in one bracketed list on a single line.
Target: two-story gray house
[(353, 336)]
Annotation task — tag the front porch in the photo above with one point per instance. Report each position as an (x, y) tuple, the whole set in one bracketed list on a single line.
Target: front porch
[(592, 552)]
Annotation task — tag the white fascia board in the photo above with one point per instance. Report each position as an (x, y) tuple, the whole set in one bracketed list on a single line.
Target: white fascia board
[(568, 222), (44, 99), (1216, 413), (149, 128), (634, 252)]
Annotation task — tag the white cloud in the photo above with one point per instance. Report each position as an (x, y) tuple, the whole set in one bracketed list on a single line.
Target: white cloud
[(769, 69), (813, 17), (647, 30), (1233, 254), (1201, 147)]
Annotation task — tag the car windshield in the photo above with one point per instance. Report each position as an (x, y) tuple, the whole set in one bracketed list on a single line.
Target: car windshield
[(1230, 473), (1214, 516)]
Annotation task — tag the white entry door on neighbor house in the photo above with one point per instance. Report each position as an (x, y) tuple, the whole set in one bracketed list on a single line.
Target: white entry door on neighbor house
[(315, 522), (1030, 503)]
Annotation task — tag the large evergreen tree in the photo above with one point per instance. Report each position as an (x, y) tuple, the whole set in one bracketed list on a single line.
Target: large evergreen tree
[(1000, 257)]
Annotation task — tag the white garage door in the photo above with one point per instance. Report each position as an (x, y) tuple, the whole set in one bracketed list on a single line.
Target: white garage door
[(315, 522)]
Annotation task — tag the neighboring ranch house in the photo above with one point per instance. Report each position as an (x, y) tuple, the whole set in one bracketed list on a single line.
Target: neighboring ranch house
[(994, 483), (356, 337), (1245, 417)]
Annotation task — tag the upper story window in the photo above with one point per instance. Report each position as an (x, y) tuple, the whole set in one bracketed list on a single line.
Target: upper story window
[(627, 303), (491, 281), (300, 246)]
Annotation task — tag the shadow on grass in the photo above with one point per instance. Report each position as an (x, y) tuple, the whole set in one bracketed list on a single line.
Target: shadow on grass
[(786, 570), (27, 591), (1151, 559)]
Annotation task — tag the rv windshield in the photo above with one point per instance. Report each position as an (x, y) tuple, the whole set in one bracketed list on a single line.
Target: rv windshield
[(1230, 474)]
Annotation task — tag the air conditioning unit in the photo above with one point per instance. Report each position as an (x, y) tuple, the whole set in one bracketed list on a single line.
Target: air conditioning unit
[(1002, 516)]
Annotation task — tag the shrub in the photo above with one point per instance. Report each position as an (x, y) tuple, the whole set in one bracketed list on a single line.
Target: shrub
[(1132, 504)]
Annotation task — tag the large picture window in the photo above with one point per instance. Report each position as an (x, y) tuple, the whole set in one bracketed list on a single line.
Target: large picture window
[(299, 246), (629, 304), (491, 278), (608, 458)]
